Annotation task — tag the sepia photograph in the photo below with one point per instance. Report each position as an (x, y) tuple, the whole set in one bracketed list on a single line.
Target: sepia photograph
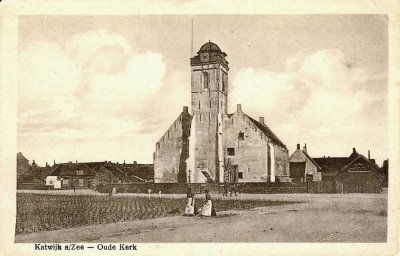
[(202, 128)]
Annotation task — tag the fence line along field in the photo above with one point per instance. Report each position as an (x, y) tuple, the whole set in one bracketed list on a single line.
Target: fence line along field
[(37, 212)]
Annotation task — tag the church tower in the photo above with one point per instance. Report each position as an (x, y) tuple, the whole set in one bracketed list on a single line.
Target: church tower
[(209, 104)]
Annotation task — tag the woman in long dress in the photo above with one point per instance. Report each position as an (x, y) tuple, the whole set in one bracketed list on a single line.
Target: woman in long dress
[(189, 209), (207, 209)]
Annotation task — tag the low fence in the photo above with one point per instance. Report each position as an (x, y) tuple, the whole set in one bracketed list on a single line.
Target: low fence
[(181, 188), (321, 187), (249, 188)]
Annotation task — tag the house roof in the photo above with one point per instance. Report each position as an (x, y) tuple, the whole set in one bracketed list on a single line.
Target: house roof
[(97, 166), (141, 171), (41, 172), (72, 169), (363, 158), (267, 131), (21, 157), (331, 165), (312, 160)]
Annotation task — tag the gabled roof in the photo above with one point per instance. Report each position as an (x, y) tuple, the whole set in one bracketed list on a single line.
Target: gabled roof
[(312, 160), (267, 131), (71, 169), (21, 157), (138, 171), (110, 167), (331, 165), (41, 173), (363, 158)]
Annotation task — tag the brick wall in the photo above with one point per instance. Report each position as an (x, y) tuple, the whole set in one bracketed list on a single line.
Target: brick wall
[(181, 188)]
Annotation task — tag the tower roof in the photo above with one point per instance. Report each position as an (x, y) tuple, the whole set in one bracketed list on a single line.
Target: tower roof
[(210, 53), (210, 47)]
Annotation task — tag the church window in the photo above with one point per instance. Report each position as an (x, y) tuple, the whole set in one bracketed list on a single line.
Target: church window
[(206, 80), (223, 81), (231, 151), (199, 105), (241, 136), (168, 134), (210, 103), (200, 118), (209, 117), (240, 175)]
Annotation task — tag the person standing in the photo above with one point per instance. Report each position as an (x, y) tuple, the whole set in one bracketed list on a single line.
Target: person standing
[(225, 190), (234, 189), (190, 207)]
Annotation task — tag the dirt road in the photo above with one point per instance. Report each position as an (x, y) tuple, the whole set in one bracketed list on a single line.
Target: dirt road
[(315, 218)]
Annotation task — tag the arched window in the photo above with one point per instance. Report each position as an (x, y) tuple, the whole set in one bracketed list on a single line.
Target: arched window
[(205, 80), (223, 82)]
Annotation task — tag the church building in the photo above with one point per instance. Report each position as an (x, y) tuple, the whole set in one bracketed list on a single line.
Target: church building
[(210, 145)]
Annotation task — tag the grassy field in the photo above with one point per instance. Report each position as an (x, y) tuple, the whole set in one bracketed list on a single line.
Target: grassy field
[(39, 212)]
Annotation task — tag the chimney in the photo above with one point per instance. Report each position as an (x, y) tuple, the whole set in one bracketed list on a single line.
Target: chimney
[(124, 161), (239, 107), (47, 165), (261, 120), (54, 162), (354, 150), (369, 154), (117, 162), (134, 162), (186, 109), (76, 161), (298, 146), (305, 148)]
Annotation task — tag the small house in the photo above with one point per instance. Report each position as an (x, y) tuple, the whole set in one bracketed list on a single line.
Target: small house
[(353, 174), (71, 175), (302, 167)]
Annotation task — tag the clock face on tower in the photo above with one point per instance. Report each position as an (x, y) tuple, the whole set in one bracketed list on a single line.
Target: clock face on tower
[(204, 57)]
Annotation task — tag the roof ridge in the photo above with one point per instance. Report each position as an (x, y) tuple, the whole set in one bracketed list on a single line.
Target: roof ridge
[(364, 158), (272, 134), (312, 160)]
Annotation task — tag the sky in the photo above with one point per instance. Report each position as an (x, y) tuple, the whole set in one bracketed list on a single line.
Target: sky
[(96, 88)]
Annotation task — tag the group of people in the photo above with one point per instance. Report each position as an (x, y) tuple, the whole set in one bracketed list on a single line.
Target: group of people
[(191, 209), (233, 188)]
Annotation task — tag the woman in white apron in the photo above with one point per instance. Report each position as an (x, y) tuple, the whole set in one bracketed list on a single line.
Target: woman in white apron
[(207, 208), (189, 210)]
